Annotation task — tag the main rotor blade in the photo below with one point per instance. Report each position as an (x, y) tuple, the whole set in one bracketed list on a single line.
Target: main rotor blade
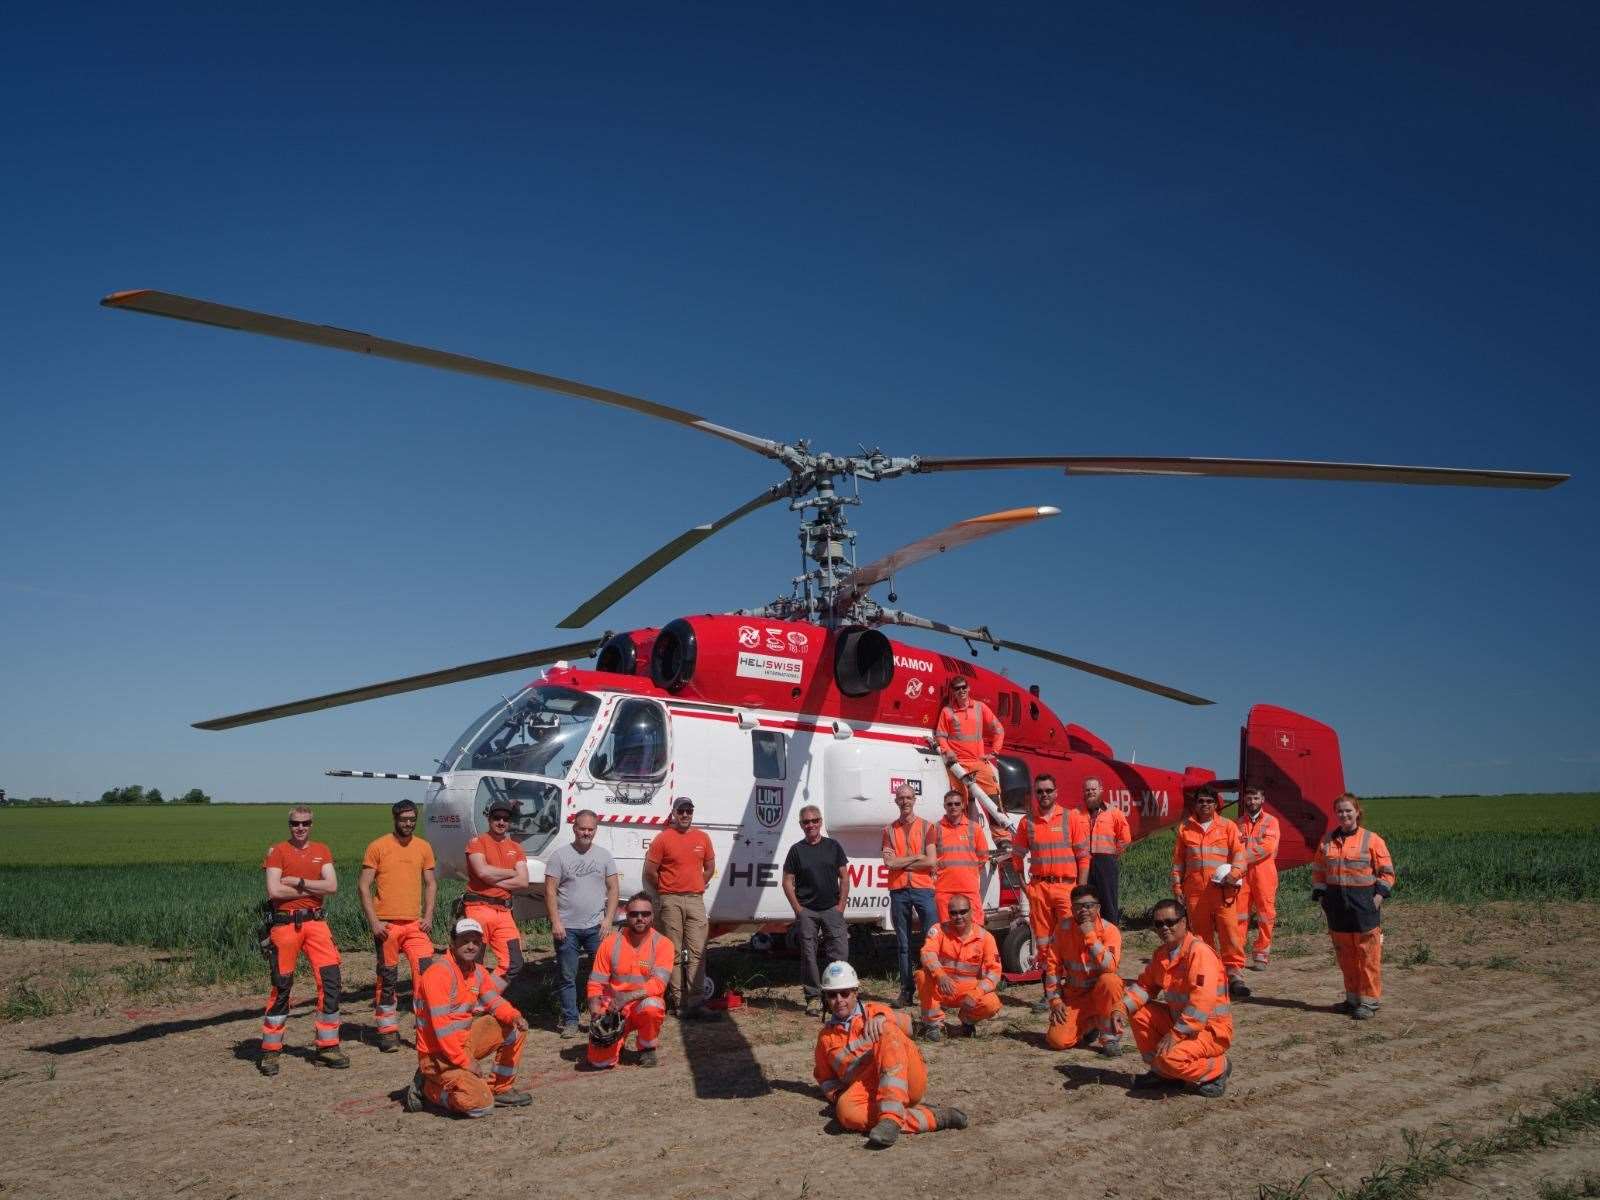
[(1078, 664), (411, 683), (206, 312), (959, 534), (682, 544), (1252, 468)]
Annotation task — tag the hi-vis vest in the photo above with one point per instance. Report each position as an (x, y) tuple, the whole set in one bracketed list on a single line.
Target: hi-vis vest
[(447, 1002), (1353, 862), (1055, 845), (1260, 836), (959, 857), (1108, 831), (973, 960), (965, 730), (1078, 961), (1198, 853), (902, 842), (620, 968)]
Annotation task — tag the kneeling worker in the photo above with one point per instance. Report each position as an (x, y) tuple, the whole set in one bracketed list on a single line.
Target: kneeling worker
[(869, 1067), (1081, 984), (961, 967), (1180, 1015), (628, 986), (461, 1017)]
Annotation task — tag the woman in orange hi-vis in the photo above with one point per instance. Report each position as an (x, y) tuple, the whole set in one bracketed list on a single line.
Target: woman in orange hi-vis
[(1207, 868), (1350, 877)]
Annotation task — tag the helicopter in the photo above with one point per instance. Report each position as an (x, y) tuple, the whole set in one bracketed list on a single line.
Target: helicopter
[(757, 712)]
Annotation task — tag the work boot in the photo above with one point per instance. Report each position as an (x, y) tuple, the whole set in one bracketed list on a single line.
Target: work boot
[(905, 999), (1238, 989), (1365, 1012), (1111, 1046), (884, 1134), (968, 1029), (932, 1033), (512, 1099), (568, 1031), (1258, 964), (813, 1006), (332, 1056), (1151, 1081), (388, 1043), (647, 1058), (1213, 1088), (414, 1101), (1346, 1006), (950, 1118), (268, 1064)]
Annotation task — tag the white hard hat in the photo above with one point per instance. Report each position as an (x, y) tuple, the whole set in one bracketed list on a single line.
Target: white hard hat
[(468, 925), (839, 976)]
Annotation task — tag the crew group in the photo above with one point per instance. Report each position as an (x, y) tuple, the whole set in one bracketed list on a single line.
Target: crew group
[(1177, 1011)]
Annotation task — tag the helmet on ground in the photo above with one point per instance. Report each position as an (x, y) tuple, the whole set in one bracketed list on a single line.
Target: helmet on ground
[(839, 976)]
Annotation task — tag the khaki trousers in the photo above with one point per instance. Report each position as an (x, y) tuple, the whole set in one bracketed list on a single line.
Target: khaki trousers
[(681, 916)]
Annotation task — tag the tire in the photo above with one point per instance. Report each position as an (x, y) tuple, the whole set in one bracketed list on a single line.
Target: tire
[(1016, 949)]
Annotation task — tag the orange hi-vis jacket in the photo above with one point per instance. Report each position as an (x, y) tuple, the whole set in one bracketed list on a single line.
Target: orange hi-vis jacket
[(1057, 846), (621, 967), (900, 841), (973, 959), (1198, 853), (1108, 830), (963, 849), (447, 1002), (1261, 835), (1348, 871), (969, 733), (1189, 981), (1077, 961), (844, 1050)]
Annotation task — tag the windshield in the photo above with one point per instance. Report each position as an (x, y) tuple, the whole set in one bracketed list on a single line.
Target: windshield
[(537, 732)]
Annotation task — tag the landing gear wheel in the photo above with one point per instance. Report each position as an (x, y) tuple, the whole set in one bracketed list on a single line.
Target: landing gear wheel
[(1016, 949)]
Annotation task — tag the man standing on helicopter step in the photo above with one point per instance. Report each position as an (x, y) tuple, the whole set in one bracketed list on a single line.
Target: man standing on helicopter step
[(969, 731), (401, 918), (496, 867)]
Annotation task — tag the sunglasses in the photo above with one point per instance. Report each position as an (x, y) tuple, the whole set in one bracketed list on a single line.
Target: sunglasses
[(301, 824), (953, 807), (811, 821), (643, 916), (1168, 924), (960, 687), (499, 816), (1044, 791), (960, 912)]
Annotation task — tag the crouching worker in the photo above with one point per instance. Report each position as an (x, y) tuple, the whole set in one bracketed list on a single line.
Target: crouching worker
[(869, 1067), (1081, 984), (1179, 1011), (961, 968), (628, 986), (461, 1018)]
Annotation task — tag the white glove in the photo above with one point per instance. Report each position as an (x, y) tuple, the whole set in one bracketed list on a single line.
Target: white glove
[(1221, 873)]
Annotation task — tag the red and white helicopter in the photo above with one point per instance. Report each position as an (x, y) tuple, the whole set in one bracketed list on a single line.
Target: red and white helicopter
[(804, 700)]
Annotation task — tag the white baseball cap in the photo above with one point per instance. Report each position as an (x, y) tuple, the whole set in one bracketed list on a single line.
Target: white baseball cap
[(468, 925)]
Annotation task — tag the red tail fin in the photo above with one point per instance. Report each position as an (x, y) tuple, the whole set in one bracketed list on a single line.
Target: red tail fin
[(1295, 760)]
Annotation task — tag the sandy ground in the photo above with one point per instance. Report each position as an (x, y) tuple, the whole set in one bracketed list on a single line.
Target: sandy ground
[(132, 1098)]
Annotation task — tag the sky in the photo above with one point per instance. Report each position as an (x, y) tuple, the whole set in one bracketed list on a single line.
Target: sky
[(1363, 233)]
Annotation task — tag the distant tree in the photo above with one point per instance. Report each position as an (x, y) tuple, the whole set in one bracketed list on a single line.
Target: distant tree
[(154, 796), (123, 795), (193, 796)]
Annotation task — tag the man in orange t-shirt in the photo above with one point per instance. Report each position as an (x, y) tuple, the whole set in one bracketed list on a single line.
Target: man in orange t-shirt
[(401, 917), (677, 867), (496, 867), (300, 877)]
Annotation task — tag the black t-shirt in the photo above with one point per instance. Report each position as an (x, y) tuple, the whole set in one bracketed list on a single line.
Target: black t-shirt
[(816, 872)]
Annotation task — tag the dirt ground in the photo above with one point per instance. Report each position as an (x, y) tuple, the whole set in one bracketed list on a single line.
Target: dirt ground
[(134, 1098)]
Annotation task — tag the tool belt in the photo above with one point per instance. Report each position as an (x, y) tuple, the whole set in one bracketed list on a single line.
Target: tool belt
[(1054, 879), (474, 898), (298, 917)]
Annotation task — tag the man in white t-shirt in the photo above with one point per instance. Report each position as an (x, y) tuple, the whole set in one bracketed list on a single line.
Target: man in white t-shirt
[(581, 886)]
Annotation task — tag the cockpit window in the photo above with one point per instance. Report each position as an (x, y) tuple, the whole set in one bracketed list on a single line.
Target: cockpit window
[(536, 807), (537, 732), (634, 749)]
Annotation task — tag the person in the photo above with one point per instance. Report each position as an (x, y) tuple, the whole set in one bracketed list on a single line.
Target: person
[(1351, 877), (630, 976), (868, 1067), (1109, 836), (909, 855), (678, 867), (816, 882), (1081, 984), (300, 878), (1178, 1009), (960, 967), (960, 847), (496, 867), (1207, 866), (969, 731), (461, 1018), (401, 866), (1055, 841), (1258, 897), (581, 888)]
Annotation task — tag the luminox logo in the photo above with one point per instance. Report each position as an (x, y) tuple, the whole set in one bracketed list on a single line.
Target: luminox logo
[(914, 664), (749, 636), (769, 806), (913, 688)]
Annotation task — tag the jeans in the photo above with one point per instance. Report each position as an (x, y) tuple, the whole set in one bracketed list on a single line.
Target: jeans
[(577, 941), (902, 902), (835, 938)]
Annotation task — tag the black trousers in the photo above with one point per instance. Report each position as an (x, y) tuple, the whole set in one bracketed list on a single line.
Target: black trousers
[(1103, 870)]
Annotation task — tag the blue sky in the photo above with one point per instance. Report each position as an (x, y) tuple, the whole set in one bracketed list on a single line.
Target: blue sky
[(1365, 234)]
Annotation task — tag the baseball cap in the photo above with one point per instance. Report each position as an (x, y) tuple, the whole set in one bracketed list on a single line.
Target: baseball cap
[(467, 925), (682, 803)]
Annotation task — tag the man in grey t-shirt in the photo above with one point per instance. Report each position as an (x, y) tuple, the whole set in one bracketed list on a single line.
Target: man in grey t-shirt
[(580, 896)]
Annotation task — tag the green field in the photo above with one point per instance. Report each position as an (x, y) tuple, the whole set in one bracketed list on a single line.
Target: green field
[(188, 879)]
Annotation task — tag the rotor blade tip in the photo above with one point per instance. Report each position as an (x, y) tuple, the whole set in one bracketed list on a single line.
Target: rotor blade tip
[(118, 299), (1049, 510)]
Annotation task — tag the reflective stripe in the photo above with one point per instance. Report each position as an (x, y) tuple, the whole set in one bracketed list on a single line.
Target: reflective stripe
[(891, 1106), (445, 1030), (273, 1022), (650, 1002), (504, 1071), (963, 852)]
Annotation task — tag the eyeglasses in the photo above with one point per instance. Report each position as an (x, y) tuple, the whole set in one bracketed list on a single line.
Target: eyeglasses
[(299, 824), (960, 912), (1086, 904), (1159, 924), (1044, 791), (811, 820), (642, 916)]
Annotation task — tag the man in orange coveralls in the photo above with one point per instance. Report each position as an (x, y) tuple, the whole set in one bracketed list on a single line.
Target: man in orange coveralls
[(960, 966), (631, 971), (869, 1068), (1081, 984), (1055, 840), (300, 877), (1180, 1015), (1207, 868), (1259, 895), (461, 1017), (969, 730)]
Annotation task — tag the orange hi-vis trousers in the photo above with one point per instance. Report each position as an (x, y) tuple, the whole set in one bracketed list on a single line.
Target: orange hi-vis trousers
[(1360, 958), (890, 1084), (1049, 904), (1197, 1059), (500, 935), (1259, 898), (467, 1092), (400, 937), (313, 940), (970, 1004), (1214, 919), (645, 1017), (1094, 1008)]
